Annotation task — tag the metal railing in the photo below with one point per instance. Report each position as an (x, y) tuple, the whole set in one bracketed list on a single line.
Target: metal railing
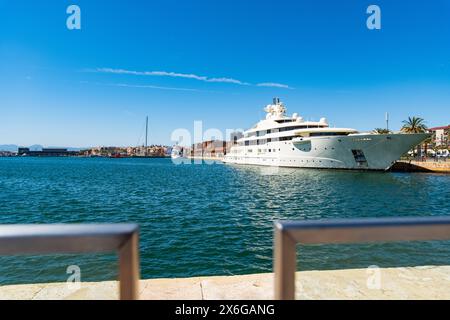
[(290, 233), (81, 238)]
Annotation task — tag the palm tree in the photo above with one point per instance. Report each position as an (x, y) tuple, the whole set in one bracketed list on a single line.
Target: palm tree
[(414, 125), (381, 131), (425, 144)]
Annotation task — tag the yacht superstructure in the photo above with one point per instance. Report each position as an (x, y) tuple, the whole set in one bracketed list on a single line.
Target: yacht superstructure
[(280, 140)]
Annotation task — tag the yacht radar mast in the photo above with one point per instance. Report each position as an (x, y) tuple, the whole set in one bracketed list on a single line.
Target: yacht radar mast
[(277, 110)]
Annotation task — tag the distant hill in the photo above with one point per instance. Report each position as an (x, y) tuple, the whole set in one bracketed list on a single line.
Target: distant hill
[(36, 147), (8, 147)]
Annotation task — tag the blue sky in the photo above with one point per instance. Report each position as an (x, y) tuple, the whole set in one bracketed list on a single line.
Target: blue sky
[(215, 61)]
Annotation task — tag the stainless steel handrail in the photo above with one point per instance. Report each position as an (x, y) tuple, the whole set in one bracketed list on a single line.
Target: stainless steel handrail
[(79, 238), (290, 233)]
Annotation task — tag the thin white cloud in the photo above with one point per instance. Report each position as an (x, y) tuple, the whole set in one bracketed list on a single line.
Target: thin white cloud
[(126, 85), (170, 74), (228, 80), (188, 76), (274, 85), (152, 87)]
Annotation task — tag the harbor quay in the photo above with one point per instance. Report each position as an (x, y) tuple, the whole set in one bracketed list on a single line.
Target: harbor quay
[(430, 165), (401, 283)]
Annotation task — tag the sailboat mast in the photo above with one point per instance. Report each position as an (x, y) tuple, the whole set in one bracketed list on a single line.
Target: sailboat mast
[(146, 131)]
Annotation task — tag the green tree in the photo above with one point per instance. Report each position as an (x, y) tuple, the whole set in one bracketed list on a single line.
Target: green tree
[(381, 131), (414, 125)]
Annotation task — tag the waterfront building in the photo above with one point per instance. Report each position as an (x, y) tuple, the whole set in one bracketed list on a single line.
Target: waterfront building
[(7, 154), (209, 149), (440, 136), (46, 152), (235, 136), (123, 152)]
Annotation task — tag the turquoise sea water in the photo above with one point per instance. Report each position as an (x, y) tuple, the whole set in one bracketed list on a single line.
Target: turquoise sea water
[(209, 219)]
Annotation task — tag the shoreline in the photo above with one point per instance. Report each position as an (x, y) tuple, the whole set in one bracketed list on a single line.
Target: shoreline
[(420, 282), (81, 156), (399, 166), (421, 166)]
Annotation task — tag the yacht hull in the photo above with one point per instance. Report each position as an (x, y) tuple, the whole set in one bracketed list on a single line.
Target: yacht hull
[(355, 151)]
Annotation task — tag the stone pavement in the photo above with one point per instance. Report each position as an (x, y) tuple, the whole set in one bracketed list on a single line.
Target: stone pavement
[(431, 282)]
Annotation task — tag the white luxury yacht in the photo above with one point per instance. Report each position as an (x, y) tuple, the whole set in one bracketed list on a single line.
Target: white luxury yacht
[(285, 141)]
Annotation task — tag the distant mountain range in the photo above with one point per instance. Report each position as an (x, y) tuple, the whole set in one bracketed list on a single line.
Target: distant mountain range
[(34, 147)]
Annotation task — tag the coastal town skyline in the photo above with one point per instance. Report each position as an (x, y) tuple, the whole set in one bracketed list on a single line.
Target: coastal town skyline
[(94, 86)]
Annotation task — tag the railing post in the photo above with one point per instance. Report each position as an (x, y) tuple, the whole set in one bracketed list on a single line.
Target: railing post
[(285, 264), (129, 268), (289, 233), (60, 238)]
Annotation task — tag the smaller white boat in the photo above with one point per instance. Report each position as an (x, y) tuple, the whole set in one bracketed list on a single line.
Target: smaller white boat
[(177, 152)]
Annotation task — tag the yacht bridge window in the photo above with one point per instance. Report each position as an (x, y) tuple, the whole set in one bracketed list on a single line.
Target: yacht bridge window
[(287, 138), (301, 127), (284, 120)]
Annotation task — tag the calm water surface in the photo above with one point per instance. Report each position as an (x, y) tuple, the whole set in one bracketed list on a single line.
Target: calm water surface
[(209, 219)]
